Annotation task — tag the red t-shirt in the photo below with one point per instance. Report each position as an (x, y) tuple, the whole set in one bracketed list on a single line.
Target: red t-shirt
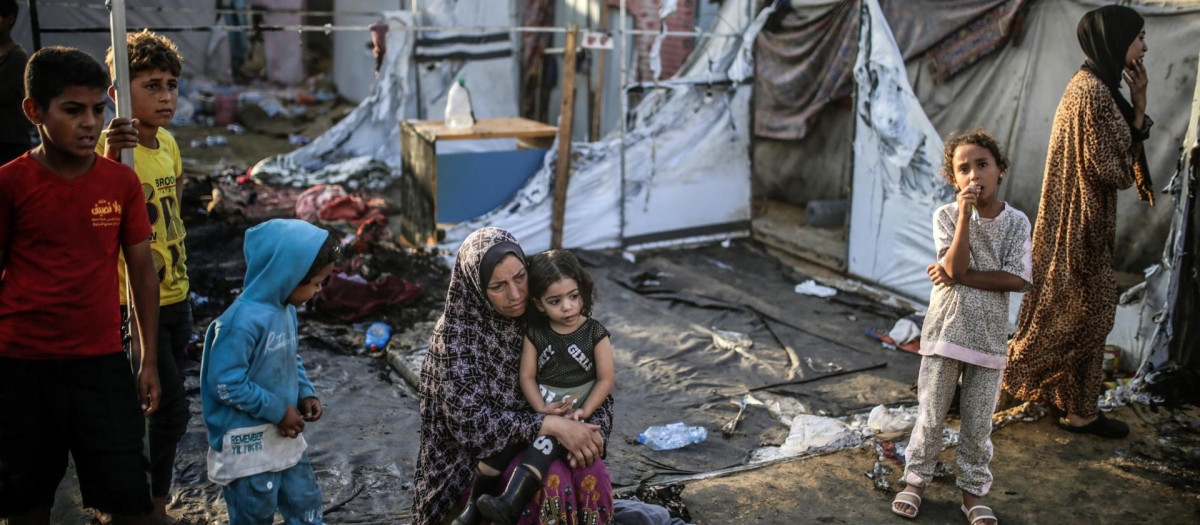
[(58, 286)]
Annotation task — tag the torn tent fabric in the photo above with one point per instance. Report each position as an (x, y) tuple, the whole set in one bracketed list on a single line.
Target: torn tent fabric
[(805, 55)]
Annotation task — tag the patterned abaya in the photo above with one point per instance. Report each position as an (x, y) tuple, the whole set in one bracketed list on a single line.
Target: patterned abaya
[(472, 406)]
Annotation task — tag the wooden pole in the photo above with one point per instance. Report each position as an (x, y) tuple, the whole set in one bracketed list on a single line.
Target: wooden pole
[(598, 97), (562, 173), (35, 26), (116, 19)]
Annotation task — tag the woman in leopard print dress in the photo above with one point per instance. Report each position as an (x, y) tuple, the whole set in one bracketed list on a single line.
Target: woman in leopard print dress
[(1095, 150)]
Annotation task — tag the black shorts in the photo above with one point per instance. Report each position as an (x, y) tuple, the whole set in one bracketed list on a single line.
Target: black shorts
[(85, 407)]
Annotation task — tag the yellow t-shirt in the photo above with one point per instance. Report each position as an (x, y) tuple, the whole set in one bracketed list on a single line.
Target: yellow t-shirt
[(159, 169)]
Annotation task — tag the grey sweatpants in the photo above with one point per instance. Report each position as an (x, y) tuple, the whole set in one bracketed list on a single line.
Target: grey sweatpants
[(935, 391)]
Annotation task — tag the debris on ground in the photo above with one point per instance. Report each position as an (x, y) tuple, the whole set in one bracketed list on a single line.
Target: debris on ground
[(810, 287)]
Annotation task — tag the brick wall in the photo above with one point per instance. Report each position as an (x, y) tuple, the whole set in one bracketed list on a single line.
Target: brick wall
[(674, 49)]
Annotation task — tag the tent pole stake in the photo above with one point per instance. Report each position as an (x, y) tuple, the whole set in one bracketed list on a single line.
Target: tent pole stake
[(562, 173)]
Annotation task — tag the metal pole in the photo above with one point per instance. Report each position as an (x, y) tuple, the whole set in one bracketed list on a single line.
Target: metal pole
[(116, 18), (34, 26), (624, 111), (327, 28)]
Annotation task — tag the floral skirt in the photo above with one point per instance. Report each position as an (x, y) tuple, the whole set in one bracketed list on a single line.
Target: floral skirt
[(583, 496)]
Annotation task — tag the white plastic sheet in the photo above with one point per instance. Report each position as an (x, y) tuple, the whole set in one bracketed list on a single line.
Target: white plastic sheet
[(1158, 309), (897, 153), (810, 433), (366, 143)]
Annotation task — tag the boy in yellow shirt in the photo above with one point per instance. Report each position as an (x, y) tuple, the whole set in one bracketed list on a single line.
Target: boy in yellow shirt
[(154, 69)]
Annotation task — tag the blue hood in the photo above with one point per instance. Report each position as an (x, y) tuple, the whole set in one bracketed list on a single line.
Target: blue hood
[(278, 254), (251, 370)]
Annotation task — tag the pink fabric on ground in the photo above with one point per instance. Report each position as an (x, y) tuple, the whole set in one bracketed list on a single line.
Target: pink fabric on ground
[(350, 208)]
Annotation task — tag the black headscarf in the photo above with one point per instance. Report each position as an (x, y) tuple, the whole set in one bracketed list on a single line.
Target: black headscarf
[(1105, 35), (493, 257)]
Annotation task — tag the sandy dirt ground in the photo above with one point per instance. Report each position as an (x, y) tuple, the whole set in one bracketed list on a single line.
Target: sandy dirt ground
[(1043, 475), (364, 449)]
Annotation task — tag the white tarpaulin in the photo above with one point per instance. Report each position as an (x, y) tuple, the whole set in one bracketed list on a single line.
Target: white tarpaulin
[(897, 154), (687, 164)]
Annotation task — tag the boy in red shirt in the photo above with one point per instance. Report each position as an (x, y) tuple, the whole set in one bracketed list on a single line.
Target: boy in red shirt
[(65, 383)]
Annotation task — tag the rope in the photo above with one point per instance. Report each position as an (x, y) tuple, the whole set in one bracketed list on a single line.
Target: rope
[(327, 28)]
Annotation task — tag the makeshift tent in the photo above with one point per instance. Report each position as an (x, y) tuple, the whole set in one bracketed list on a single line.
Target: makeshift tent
[(686, 163), (363, 149), (205, 53), (1170, 301)]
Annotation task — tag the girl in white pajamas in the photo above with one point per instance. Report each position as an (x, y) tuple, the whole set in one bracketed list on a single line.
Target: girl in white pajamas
[(984, 252)]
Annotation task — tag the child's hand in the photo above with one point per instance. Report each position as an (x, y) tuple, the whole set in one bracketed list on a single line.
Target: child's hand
[(967, 198), (577, 415), (122, 134), (560, 408), (149, 389), (937, 274), (311, 409), (292, 424)]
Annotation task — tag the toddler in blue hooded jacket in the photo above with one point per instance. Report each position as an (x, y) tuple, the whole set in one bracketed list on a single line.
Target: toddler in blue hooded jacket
[(256, 393)]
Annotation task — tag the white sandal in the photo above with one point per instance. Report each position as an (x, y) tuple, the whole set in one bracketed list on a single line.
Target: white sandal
[(906, 498), (986, 514)]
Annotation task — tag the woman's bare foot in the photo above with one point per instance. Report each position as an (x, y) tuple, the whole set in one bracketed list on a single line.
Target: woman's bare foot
[(971, 501), (905, 505)]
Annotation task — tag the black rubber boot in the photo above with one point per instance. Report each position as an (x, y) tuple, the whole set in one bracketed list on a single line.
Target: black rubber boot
[(470, 514), (505, 509)]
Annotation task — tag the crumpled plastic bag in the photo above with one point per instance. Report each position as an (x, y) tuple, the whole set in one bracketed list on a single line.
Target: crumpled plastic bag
[(811, 432), (904, 331), (885, 420)]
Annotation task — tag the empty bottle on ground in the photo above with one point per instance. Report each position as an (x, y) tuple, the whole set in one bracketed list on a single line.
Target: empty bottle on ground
[(672, 436), (377, 337)]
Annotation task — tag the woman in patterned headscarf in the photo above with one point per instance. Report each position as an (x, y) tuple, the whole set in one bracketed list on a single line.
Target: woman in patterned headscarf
[(472, 408), (1095, 149)]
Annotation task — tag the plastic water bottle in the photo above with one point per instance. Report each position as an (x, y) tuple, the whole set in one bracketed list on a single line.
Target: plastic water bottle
[(675, 435), (377, 336), (458, 106)]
